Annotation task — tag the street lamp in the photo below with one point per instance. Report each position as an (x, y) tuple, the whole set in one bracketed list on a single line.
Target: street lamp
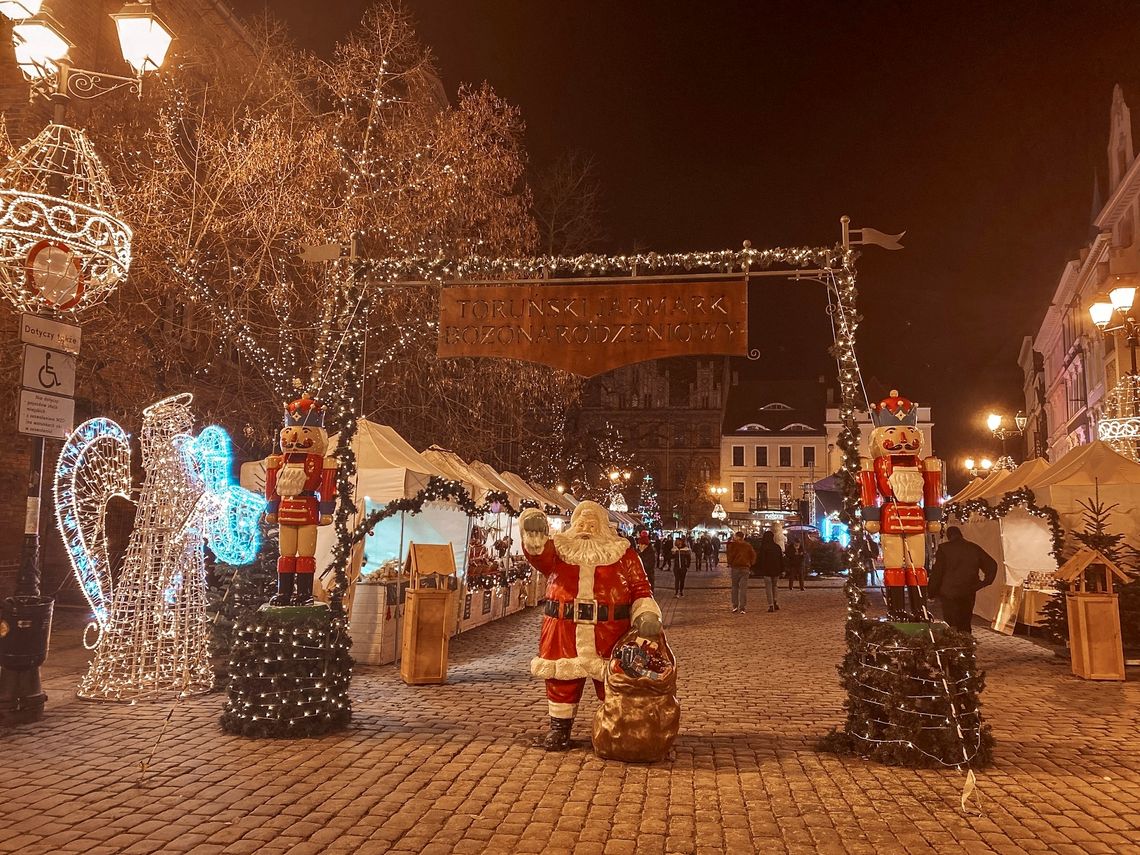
[(996, 423), (62, 249), (1118, 301), (978, 467), (1120, 424), (42, 49)]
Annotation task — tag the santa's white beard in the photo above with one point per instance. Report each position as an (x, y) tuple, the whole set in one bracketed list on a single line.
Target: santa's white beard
[(291, 480), (589, 550)]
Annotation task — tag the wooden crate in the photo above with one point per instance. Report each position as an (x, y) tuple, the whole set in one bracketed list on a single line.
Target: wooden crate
[(1094, 636), (427, 619), (372, 629)]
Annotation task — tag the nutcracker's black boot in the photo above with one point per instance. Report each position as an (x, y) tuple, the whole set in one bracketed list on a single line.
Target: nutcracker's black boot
[(284, 595), (304, 596), (558, 739)]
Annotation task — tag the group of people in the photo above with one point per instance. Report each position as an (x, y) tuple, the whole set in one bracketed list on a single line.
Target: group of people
[(764, 558), (677, 555)]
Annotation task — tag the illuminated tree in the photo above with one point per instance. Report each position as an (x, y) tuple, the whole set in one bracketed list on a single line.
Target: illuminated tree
[(648, 508)]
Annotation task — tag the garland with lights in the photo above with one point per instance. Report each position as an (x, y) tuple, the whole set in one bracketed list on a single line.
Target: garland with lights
[(1021, 497), (290, 671), (912, 700)]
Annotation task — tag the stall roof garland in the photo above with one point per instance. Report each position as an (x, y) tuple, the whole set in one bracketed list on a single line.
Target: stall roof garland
[(1022, 497), (437, 490)]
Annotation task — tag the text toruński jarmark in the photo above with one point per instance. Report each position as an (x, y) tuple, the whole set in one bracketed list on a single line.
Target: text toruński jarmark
[(592, 327)]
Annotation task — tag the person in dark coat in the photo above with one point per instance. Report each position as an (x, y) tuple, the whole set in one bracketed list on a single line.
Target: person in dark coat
[(769, 565), (647, 552), (961, 569), (794, 555)]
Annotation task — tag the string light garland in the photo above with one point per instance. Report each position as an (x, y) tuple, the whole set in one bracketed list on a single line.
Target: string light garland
[(1020, 498), (911, 701), (290, 671), (153, 635)]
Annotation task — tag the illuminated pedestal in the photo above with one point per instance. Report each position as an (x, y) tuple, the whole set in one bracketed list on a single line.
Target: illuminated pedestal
[(290, 671)]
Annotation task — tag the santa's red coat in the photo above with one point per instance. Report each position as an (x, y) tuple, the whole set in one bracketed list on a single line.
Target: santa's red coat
[(568, 650)]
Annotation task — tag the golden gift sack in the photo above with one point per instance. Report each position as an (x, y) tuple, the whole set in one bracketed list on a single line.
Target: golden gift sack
[(639, 719)]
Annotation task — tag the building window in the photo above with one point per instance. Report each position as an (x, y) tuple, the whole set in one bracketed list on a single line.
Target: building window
[(809, 456), (785, 494), (738, 455), (761, 494), (785, 455), (761, 455), (738, 492)]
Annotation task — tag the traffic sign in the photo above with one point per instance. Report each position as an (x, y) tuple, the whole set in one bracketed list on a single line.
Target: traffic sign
[(49, 333), (48, 371), (49, 416)]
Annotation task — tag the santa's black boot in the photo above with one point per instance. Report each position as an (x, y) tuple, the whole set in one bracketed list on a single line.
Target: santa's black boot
[(558, 738)]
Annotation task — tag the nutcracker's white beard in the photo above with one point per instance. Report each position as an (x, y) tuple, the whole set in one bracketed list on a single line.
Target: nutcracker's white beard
[(590, 550), (291, 480)]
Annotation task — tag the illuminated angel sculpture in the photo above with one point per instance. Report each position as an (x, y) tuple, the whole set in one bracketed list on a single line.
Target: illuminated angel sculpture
[(151, 622)]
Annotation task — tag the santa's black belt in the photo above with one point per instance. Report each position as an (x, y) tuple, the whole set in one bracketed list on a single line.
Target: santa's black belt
[(584, 611)]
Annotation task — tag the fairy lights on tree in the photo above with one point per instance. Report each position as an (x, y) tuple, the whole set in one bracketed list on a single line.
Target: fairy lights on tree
[(648, 507)]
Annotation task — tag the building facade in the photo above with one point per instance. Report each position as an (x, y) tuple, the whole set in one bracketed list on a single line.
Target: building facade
[(1070, 367), (668, 414)]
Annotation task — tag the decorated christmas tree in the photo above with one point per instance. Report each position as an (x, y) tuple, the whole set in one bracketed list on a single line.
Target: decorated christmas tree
[(648, 508)]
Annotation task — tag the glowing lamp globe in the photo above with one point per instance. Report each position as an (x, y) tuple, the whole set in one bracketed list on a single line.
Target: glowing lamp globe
[(62, 246), (1101, 310), (993, 421), (143, 37), (39, 47), (18, 10), (1122, 297), (969, 462)]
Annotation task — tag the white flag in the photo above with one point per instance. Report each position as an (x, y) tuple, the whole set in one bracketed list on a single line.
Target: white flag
[(874, 237)]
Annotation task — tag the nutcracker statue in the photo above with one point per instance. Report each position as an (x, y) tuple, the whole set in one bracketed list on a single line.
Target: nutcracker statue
[(300, 484), (901, 497)]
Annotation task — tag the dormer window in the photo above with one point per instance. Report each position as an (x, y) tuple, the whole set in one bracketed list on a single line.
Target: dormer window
[(775, 406), (798, 426), (752, 426)]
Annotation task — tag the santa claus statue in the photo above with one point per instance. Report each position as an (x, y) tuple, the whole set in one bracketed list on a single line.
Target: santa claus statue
[(596, 589), (901, 495), (300, 486)]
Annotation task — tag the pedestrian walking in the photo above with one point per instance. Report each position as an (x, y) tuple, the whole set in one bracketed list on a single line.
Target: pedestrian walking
[(648, 555), (794, 555), (739, 556), (961, 569), (769, 565), (699, 554), (682, 558), (714, 542), (666, 553)]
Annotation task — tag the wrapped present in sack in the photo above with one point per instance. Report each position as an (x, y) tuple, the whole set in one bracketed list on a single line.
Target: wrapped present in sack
[(640, 716)]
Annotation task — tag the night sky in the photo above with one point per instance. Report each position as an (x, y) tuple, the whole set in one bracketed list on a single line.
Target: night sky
[(977, 127)]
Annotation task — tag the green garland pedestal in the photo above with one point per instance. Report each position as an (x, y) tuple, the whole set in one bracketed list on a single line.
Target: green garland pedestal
[(290, 670), (912, 701)]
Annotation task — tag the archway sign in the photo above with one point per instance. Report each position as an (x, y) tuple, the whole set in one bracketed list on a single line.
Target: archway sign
[(592, 313)]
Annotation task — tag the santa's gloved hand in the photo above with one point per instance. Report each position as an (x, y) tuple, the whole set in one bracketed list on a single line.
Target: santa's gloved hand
[(533, 521), (647, 625)]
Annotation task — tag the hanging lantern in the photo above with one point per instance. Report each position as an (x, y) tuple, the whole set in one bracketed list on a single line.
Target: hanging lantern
[(618, 504), (62, 246), (718, 512)]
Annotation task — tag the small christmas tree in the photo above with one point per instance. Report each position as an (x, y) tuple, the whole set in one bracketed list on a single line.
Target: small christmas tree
[(1097, 536), (648, 508)]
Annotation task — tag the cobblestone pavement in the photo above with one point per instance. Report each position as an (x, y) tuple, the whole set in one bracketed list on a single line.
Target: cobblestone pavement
[(449, 769)]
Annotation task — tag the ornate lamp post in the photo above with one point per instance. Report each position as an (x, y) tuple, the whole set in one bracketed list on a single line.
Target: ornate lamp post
[(996, 423), (62, 248), (617, 498), (978, 467), (1112, 313), (718, 512)]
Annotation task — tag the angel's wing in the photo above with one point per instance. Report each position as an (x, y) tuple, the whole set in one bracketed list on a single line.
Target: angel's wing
[(94, 465)]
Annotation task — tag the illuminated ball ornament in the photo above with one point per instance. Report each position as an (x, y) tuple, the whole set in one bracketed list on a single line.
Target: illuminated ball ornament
[(62, 245)]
